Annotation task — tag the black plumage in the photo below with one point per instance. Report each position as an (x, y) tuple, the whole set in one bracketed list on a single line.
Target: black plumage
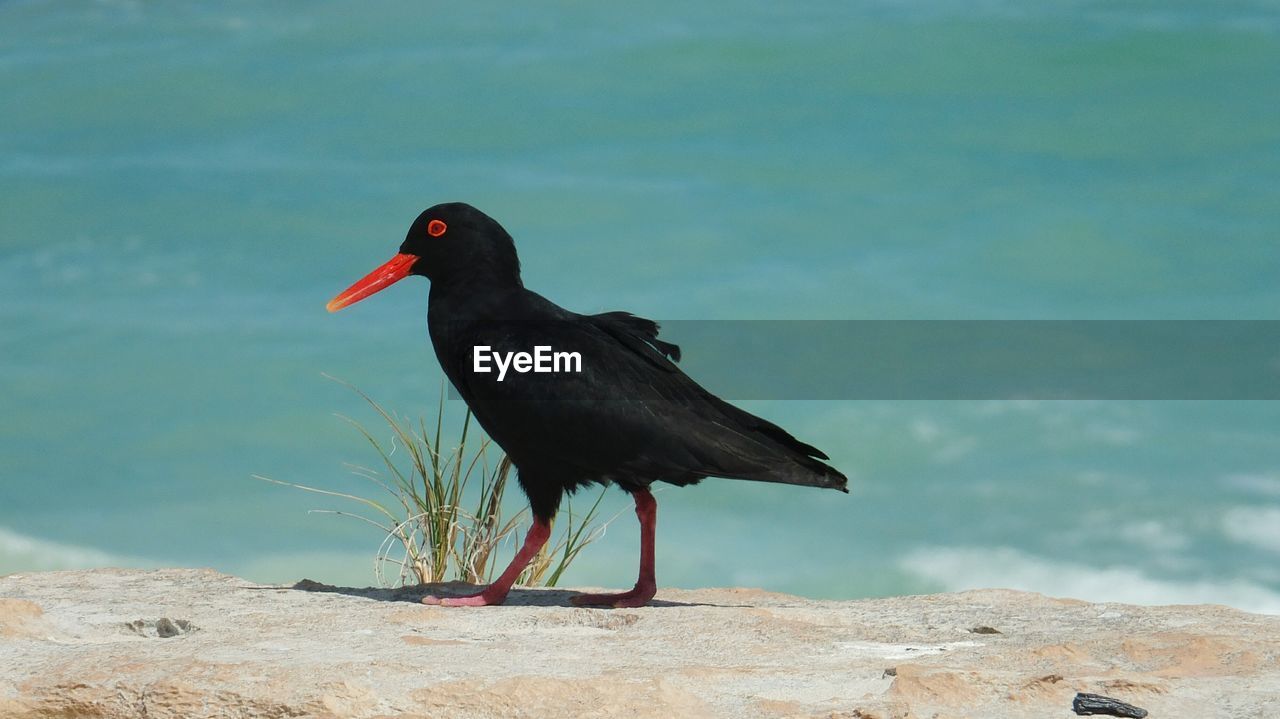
[(630, 416)]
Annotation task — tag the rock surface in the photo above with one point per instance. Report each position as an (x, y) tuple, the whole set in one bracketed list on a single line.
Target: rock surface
[(195, 643)]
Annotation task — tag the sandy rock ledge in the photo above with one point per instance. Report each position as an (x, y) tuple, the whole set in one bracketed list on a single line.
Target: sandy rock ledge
[(195, 643)]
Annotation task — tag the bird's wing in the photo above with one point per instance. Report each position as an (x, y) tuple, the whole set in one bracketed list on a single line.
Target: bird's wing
[(640, 335), (628, 409)]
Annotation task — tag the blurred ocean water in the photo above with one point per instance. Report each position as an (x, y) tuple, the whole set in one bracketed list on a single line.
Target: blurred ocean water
[(184, 187)]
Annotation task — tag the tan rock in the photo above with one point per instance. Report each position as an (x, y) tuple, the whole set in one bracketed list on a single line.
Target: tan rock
[(110, 644), (18, 617)]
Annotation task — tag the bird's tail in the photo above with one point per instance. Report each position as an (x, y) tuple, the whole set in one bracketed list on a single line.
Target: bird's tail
[(802, 471), (774, 455), (812, 473), (763, 452)]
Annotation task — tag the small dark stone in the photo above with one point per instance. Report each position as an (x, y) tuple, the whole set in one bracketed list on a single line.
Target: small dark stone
[(890, 672), (984, 629), (163, 627), (1085, 704), (166, 628)]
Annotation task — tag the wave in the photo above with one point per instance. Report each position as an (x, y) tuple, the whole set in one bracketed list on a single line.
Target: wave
[(1255, 526), (23, 553), (1267, 485), (962, 568)]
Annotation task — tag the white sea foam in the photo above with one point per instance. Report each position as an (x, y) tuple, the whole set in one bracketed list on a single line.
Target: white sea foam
[(1264, 484), (961, 568), (1154, 535), (22, 553), (1257, 526), (945, 444)]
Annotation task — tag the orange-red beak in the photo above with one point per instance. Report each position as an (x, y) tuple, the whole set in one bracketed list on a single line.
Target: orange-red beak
[(394, 270)]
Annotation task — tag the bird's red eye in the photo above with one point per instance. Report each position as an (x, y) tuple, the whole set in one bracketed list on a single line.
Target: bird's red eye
[(435, 228)]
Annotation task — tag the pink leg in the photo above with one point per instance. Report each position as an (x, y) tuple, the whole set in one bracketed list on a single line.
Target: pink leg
[(646, 584), (496, 593)]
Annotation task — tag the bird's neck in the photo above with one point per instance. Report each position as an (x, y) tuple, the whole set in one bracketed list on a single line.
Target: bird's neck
[(476, 275), (478, 298)]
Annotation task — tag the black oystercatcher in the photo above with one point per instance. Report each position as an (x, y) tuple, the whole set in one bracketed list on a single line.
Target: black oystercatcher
[(623, 413)]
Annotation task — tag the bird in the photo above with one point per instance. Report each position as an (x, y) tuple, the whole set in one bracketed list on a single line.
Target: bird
[(626, 415)]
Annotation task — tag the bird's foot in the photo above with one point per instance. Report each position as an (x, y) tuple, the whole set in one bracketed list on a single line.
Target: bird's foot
[(637, 597), (482, 598)]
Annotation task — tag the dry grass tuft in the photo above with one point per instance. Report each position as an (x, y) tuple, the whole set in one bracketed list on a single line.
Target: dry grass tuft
[(445, 521)]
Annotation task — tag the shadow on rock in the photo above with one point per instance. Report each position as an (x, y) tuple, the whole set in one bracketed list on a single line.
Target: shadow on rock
[(519, 597)]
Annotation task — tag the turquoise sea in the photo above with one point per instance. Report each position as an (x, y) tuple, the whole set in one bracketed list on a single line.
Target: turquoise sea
[(184, 185)]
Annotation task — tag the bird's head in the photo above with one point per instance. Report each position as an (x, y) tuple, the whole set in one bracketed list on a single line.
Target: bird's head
[(449, 243)]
